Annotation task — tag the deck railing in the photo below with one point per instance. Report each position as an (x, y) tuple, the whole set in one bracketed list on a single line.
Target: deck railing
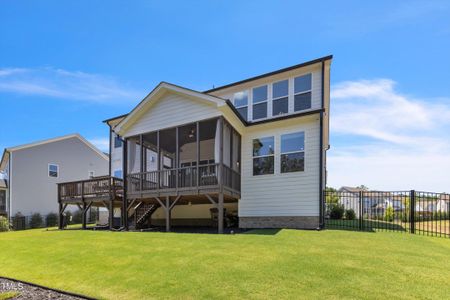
[(97, 186), (185, 178)]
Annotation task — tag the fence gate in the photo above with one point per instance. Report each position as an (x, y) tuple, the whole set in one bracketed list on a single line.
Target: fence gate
[(425, 213)]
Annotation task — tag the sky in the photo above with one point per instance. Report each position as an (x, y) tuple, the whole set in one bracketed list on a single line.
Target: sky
[(67, 65)]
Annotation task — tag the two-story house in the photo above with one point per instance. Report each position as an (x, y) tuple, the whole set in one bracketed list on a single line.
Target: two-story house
[(252, 151)]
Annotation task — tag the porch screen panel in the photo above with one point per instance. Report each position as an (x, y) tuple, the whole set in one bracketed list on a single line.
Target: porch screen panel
[(236, 153), (187, 147), (168, 157), (134, 155), (209, 142), (150, 148), (226, 145)]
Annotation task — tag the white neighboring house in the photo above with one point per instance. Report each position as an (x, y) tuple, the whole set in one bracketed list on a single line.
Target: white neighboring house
[(32, 172), (3, 190)]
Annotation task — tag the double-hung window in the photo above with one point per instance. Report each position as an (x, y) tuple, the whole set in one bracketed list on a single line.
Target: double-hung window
[(292, 152), (263, 156), (280, 99), (260, 102), (240, 101), (302, 92), (53, 170)]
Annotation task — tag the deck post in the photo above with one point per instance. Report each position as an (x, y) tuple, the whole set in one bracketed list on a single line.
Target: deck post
[(83, 208), (60, 216), (220, 214), (167, 213), (111, 209)]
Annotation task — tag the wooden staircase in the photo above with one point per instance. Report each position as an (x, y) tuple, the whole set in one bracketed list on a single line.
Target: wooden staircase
[(141, 214)]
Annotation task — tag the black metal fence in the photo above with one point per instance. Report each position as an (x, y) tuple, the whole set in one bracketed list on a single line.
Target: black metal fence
[(425, 213)]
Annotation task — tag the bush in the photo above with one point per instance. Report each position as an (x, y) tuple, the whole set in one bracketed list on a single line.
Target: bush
[(77, 217), (336, 211), (36, 220), (350, 214), (51, 220), (4, 224), (18, 222), (389, 214)]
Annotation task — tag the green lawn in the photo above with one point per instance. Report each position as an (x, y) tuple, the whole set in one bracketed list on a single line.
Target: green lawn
[(263, 264)]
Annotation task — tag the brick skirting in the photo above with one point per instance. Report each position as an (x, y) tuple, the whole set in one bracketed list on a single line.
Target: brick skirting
[(295, 222)]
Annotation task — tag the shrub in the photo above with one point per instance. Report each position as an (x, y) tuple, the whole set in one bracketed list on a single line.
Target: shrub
[(77, 217), (18, 221), (68, 219), (36, 220), (4, 224), (336, 211), (51, 220), (389, 214), (350, 214)]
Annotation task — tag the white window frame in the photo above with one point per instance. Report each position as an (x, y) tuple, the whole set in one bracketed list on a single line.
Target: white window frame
[(57, 170), (269, 96), (302, 92), (267, 155), (291, 152), (242, 106), (272, 99)]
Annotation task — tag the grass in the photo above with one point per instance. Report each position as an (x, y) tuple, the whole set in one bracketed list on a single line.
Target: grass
[(8, 295), (258, 265)]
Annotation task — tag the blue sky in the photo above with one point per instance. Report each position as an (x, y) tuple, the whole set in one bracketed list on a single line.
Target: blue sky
[(67, 65)]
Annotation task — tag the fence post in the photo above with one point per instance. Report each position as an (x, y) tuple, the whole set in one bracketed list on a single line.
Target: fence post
[(361, 210), (412, 211)]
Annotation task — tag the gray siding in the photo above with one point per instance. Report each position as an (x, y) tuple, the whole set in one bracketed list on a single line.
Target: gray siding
[(32, 190)]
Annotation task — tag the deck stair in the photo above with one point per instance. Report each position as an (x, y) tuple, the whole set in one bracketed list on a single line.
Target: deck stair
[(142, 213)]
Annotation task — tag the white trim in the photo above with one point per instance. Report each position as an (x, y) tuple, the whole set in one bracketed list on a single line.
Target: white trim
[(57, 139), (57, 170)]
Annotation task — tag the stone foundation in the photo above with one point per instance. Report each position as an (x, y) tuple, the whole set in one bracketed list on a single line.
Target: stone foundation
[(294, 222)]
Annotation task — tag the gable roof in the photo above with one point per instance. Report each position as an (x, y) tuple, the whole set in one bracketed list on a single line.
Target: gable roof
[(9, 150), (162, 89)]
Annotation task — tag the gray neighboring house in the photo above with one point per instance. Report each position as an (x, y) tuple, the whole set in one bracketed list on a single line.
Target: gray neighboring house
[(31, 172)]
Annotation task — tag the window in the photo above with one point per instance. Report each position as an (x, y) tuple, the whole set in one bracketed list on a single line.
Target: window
[(117, 142), (91, 174), (260, 102), (53, 170), (302, 92), (280, 100), (118, 174), (240, 101), (293, 152), (263, 156)]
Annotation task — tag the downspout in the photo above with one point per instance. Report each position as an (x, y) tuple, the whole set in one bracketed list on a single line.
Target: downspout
[(9, 187), (110, 149), (321, 200)]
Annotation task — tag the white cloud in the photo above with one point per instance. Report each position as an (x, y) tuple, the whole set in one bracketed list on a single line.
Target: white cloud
[(397, 141), (100, 143), (62, 84)]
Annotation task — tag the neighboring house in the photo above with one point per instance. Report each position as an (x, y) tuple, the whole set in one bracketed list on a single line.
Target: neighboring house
[(443, 203), (32, 172), (252, 151)]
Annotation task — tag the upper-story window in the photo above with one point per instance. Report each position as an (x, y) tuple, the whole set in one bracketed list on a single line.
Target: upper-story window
[(260, 98), (302, 92), (117, 142), (240, 101), (263, 156), (292, 152), (53, 170), (280, 99)]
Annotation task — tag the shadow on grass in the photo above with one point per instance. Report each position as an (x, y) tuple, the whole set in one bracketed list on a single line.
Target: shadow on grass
[(263, 231), (366, 226)]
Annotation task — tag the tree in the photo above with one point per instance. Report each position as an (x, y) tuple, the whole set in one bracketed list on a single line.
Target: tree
[(331, 195), (363, 187)]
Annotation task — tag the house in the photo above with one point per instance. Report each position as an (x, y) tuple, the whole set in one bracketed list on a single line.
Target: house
[(443, 203), (252, 152), (32, 172)]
